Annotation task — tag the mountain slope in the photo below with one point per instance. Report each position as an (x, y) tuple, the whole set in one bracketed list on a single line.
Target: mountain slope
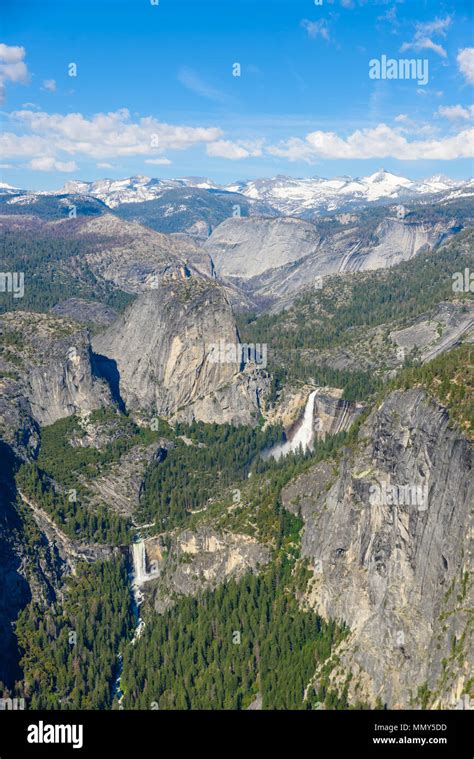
[(271, 258)]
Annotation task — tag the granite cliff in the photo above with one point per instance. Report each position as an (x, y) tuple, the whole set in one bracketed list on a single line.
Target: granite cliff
[(163, 352), (387, 535)]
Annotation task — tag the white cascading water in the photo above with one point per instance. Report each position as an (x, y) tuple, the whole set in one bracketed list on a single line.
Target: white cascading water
[(139, 576), (304, 435), (139, 562)]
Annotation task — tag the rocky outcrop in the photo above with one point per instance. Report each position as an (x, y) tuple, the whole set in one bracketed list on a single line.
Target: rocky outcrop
[(331, 413), (30, 567), (120, 486), (70, 551), (127, 254), (85, 311), (385, 348), (436, 332), (388, 539), (198, 560), (163, 349), (48, 368)]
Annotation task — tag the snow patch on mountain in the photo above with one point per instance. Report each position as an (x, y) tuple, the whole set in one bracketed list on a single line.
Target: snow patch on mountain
[(294, 196), (288, 196)]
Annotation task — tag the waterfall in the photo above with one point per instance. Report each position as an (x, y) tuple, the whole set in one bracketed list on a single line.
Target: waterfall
[(139, 562), (304, 434)]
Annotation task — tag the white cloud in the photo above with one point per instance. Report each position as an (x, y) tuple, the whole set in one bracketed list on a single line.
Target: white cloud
[(234, 151), (158, 161), (424, 43), (48, 163), (465, 59), (12, 66), (11, 53), (316, 28), (424, 31), (456, 112), (379, 142), (105, 135), (104, 165), (49, 85), (12, 145)]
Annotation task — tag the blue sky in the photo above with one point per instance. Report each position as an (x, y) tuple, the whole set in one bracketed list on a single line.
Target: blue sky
[(155, 92)]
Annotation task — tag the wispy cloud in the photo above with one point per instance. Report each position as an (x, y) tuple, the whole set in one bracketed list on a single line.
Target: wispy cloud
[(235, 151), (316, 28), (192, 81), (424, 31), (390, 16), (49, 85)]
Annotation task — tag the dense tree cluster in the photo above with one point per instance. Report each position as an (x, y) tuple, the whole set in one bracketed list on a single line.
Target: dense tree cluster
[(450, 379), (220, 650), (72, 515), (70, 649), (43, 259), (213, 457)]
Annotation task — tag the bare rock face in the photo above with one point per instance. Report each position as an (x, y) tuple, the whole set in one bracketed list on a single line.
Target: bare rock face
[(48, 363), (237, 402), (85, 311), (399, 240), (273, 258), (388, 538), (130, 255), (198, 560), (246, 247), (331, 413), (163, 349), (437, 332)]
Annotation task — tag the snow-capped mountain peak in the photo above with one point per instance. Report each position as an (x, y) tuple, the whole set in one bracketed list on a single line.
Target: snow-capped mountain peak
[(287, 195), (299, 196)]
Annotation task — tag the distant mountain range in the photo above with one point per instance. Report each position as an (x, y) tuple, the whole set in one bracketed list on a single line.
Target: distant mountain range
[(299, 197), (281, 194)]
